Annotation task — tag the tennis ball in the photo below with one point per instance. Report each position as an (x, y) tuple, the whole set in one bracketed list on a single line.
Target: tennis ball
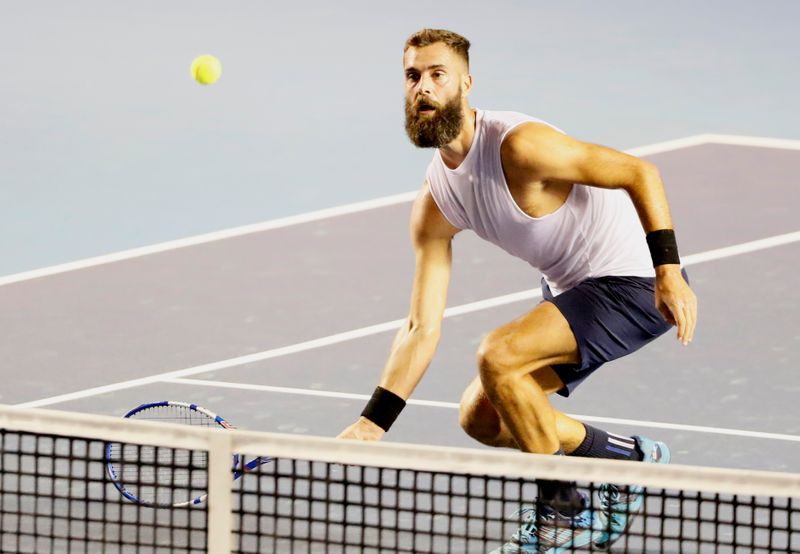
[(206, 69)]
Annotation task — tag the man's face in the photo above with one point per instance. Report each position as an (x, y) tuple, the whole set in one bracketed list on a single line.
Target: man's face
[(434, 98)]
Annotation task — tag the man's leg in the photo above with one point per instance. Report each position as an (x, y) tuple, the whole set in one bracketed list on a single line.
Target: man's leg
[(508, 406), (612, 317), (481, 421), (514, 364), (515, 377)]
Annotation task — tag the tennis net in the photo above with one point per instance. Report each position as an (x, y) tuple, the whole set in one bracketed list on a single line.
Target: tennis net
[(326, 495)]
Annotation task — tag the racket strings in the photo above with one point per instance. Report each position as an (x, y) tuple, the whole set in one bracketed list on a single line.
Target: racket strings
[(176, 414), (160, 475)]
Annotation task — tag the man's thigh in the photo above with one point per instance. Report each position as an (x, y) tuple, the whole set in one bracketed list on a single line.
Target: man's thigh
[(536, 340)]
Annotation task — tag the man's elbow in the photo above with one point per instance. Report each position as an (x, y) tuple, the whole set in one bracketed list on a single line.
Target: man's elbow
[(425, 331), (648, 171)]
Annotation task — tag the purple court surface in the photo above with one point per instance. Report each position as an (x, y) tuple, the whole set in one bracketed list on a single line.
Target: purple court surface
[(285, 326)]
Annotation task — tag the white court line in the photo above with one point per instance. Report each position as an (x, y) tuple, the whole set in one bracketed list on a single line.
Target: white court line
[(744, 248), (698, 140), (454, 406), (647, 150), (760, 142), (709, 255)]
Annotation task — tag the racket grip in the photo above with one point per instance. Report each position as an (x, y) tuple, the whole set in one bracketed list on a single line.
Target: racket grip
[(249, 466)]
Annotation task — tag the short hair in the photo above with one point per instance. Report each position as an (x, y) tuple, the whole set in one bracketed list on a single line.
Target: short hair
[(426, 37)]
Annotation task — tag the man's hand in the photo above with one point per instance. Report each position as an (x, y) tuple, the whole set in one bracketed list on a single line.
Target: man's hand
[(676, 301), (364, 430)]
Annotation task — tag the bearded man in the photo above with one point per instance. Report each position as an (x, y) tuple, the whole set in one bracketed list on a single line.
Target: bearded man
[(595, 222)]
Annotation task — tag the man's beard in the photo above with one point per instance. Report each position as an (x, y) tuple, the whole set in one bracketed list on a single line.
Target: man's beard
[(434, 130)]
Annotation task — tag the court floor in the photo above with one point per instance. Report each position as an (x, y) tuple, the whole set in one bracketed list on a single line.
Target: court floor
[(286, 326)]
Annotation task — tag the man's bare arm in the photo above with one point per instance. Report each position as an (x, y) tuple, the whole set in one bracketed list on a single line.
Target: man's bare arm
[(546, 154), (415, 342), (543, 154)]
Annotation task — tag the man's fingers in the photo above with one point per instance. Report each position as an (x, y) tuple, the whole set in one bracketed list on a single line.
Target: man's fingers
[(691, 316), (680, 321), (687, 320), (679, 308)]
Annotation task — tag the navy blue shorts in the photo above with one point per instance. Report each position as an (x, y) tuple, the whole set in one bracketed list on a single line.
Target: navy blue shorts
[(610, 317)]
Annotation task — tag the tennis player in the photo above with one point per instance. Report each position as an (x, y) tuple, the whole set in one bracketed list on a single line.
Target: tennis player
[(595, 222)]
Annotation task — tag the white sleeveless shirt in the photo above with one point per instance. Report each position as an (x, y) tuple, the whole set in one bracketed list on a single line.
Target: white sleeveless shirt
[(595, 233)]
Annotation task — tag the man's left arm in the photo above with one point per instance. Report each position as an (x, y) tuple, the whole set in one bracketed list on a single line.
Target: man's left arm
[(548, 155)]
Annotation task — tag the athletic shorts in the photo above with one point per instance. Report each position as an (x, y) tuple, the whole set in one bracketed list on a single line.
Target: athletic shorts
[(610, 317)]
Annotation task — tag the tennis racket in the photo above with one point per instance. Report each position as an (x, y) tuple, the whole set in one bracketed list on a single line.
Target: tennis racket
[(168, 477)]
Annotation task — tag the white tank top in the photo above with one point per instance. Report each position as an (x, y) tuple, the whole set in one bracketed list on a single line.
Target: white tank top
[(595, 233)]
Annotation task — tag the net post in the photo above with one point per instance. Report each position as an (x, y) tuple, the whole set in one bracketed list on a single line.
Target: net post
[(220, 507)]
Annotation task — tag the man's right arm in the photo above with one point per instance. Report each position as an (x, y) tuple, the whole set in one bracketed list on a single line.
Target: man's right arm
[(416, 341)]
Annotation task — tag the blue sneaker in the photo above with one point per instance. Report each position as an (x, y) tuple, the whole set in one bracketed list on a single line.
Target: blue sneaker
[(549, 532), (620, 503)]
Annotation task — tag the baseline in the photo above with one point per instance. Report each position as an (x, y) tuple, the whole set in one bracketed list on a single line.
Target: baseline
[(647, 150)]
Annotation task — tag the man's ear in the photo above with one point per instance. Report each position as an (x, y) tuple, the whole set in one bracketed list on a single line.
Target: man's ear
[(466, 84)]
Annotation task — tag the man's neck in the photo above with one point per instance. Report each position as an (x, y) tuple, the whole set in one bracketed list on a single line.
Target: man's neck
[(455, 152)]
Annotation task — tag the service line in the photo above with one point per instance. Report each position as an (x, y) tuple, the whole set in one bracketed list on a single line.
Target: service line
[(710, 255)]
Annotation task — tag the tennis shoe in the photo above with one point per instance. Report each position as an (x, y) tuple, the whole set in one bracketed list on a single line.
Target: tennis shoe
[(546, 531), (619, 504)]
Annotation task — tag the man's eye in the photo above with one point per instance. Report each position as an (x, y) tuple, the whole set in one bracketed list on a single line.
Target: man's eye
[(412, 77)]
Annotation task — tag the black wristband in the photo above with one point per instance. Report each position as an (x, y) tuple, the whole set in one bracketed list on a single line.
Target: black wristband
[(663, 247), (383, 408)]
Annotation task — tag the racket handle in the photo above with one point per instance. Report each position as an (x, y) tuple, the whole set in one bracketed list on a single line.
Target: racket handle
[(249, 466)]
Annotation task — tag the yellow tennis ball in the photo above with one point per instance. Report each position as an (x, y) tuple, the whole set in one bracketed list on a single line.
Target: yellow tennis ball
[(206, 69)]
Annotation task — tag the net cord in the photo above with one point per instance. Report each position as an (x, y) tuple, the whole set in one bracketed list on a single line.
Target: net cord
[(403, 456)]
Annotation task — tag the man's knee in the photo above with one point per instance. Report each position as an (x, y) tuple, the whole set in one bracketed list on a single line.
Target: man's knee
[(477, 416), (475, 426), (494, 357)]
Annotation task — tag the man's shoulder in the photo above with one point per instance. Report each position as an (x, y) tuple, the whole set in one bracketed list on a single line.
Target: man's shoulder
[(534, 145)]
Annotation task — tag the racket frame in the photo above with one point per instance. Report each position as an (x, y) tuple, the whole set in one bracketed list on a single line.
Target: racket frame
[(219, 420)]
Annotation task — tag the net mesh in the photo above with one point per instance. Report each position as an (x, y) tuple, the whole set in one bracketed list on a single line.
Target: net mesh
[(319, 495), (55, 496), (308, 506)]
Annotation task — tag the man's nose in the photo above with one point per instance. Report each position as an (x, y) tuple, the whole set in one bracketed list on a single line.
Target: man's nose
[(425, 85)]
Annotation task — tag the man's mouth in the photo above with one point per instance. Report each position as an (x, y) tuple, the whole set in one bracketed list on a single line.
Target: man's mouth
[(424, 107)]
